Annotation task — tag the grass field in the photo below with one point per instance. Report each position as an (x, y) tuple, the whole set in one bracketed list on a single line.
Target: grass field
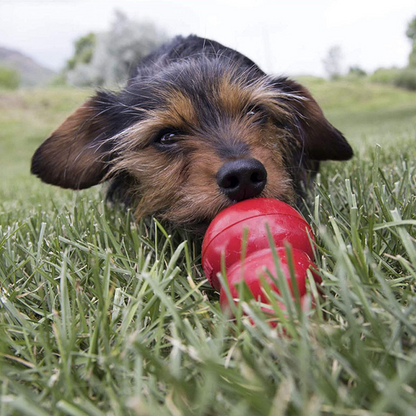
[(99, 316)]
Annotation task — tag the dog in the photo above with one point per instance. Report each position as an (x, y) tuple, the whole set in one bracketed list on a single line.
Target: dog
[(198, 127)]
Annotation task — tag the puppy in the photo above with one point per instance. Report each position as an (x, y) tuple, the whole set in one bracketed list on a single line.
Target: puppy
[(197, 128)]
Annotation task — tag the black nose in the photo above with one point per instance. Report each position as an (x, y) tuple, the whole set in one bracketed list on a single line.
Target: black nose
[(242, 179)]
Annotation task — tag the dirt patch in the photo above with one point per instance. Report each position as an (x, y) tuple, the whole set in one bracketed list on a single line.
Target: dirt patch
[(12, 100)]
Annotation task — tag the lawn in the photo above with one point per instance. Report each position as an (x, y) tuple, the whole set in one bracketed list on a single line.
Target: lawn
[(100, 316)]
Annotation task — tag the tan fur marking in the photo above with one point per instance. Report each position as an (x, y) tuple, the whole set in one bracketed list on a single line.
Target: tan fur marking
[(181, 110), (232, 97), (236, 96)]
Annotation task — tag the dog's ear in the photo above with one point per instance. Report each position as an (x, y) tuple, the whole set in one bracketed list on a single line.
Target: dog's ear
[(320, 139), (76, 155)]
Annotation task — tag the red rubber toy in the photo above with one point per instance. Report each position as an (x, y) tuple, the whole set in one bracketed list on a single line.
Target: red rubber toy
[(225, 233), (253, 270)]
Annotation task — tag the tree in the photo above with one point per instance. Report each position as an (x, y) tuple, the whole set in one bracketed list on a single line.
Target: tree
[(84, 50), (107, 59), (333, 62), (411, 34)]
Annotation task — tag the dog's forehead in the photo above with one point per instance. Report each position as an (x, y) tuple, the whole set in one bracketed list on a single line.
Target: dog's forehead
[(210, 101), (212, 88), (201, 90)]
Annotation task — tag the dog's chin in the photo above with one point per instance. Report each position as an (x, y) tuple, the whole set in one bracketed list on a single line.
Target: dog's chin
[(198, 226), (197, 229), (193, 217)]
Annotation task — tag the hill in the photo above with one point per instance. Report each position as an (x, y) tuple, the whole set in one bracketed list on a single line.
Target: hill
[(31, 72)]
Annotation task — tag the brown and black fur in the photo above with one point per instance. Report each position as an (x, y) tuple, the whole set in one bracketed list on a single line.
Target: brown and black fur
[(191, 108)]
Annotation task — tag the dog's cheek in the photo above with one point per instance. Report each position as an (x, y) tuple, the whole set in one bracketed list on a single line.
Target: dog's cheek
[(279, 183), (159, 179), (199, 198)]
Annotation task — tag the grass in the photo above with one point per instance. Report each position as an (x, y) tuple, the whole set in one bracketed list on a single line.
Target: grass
[(100, 316)]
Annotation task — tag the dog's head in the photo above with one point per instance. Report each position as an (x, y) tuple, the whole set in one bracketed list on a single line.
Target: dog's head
[(193, 138)]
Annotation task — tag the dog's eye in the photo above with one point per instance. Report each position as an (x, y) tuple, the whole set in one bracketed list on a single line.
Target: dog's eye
[(253, 111), (256, 114), (167, 138)]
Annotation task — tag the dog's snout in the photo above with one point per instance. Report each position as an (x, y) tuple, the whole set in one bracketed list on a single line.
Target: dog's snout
[(242, 179)]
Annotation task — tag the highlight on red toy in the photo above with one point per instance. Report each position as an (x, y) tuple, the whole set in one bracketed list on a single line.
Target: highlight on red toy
[(246, 221)]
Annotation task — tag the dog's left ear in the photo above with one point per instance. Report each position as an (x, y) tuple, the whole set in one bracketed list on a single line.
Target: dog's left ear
[(76, 155), (321, 140)]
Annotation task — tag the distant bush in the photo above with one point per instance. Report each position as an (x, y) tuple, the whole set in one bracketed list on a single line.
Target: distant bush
[(406, 78), (9, 78), (356, 71), (385, 75), (58, 80), (399, 77)]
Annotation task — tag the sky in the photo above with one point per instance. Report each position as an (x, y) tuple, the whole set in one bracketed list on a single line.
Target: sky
[(285, 37)]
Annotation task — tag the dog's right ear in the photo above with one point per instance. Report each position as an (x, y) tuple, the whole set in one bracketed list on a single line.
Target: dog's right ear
[(76, 155), (320, 139)]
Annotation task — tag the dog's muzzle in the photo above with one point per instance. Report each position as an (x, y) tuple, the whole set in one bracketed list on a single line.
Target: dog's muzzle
[(242, 179)]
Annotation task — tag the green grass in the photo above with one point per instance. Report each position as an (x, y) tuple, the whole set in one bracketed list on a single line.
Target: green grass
[(99, 316)]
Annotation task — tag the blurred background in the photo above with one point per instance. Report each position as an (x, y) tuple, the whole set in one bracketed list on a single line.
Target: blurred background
[(357, 57), (86, 42)]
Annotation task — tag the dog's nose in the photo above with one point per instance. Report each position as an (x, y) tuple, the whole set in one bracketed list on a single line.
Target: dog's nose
[(242, 179)]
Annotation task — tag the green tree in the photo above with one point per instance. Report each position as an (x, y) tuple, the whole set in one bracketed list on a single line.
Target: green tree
[(9, 78), (107, 58), (411, 34), (84, 50)]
